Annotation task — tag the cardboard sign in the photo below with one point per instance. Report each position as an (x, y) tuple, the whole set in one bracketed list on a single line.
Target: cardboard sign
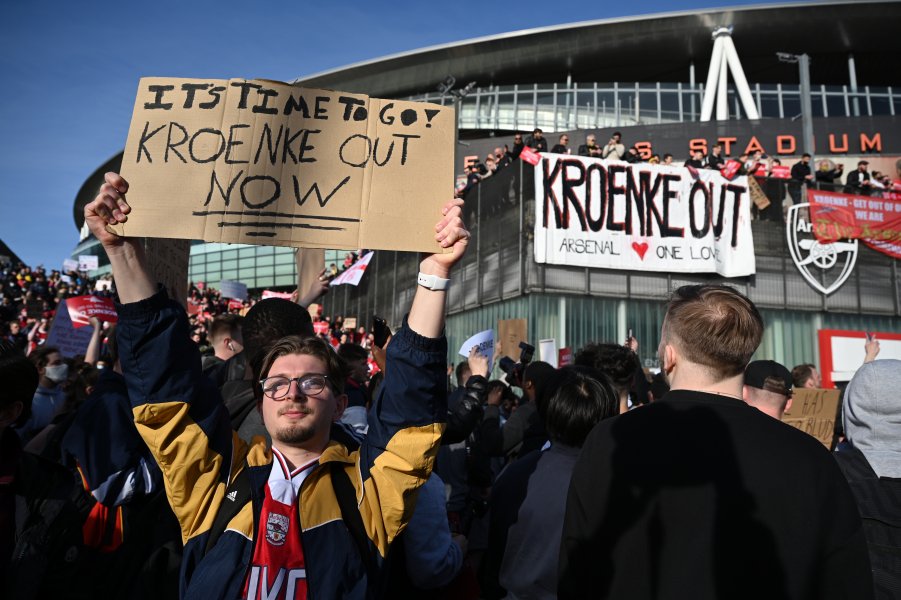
[(598, 213), (510, 332), (350, 323), (310, 263), (167, 262), (63, 335), (758, 197), (875, 221), (256, 161), (82, 308), (233, 289), (814, 411), (70, 265), (87, 262), (485, 342)]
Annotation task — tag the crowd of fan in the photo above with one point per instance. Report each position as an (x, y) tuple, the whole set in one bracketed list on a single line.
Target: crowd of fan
[(590, 480), (774, 180)]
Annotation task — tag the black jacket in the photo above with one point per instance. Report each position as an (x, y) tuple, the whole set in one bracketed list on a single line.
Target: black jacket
[(703, 496)]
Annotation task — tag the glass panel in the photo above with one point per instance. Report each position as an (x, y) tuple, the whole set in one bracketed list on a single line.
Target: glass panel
[(247, 252), (284, 269), (265, 260), (265, 271), (669, 106), (791, 105), (769, 105), (265, 282), (213, 266), (229, 264), (246, 263), (835, 103), (880, 105), (231, 274), (284, 258), (285, 280), (229, 254)]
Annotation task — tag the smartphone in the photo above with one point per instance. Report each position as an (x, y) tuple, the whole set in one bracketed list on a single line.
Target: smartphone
[(380, 331)]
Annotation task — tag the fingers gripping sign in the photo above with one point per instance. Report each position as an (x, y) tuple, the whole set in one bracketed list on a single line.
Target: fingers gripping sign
[(109, 207), (451, 233)]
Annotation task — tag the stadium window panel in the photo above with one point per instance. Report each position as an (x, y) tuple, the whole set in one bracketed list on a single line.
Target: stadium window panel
[(231, 274), (265, 260), (265, 271), (284, 269), (227, 254), (265, 282), (880, 104), (229, 264), (285, 280), (247, 252), (284, 258)]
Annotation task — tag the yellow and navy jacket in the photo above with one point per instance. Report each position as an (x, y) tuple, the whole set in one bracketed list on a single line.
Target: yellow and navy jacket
[(180, 416)]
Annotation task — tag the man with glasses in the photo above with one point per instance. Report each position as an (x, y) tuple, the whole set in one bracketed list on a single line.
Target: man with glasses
[(315, 515), (561, 147)]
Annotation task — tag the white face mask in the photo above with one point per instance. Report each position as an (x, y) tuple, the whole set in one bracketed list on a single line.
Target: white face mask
[(57, 373)]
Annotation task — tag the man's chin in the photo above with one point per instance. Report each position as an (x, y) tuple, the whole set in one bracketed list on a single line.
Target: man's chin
[(294, 435)]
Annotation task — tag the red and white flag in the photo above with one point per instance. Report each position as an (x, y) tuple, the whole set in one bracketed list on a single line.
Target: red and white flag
[(82, 308), (530, 156), (354, 273)]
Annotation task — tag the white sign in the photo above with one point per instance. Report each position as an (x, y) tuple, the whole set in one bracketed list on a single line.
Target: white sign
[(86, 262), (484, 340), (547, 351), (233, 289), (610, 214), (353, 274), (70, 265)]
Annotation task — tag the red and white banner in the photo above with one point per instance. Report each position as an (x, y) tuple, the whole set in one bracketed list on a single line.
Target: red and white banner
[(320, 327), (353, 274), (874, 221), (82, 308), (781, 172), (272, 294), (530, 156), (234, 304), (730, 169)]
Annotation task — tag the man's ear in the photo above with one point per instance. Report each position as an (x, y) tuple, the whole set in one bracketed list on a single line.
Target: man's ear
[(744, 393), (788, 404), (340, 406), (670, 358)]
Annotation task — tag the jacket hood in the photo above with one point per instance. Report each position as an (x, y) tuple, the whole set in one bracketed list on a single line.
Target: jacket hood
[(872, 415)]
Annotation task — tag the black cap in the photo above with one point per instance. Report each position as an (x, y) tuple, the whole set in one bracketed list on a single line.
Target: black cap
[(862, 162), (780, 379)]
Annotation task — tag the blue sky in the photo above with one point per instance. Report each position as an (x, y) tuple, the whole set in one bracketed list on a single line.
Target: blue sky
[(70, 71)]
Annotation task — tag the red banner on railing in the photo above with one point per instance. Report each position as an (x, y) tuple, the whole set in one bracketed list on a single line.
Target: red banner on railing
[(874, 221), (530, 156)]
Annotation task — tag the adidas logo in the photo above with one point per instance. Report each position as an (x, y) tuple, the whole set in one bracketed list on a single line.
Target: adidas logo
[(232, 495)]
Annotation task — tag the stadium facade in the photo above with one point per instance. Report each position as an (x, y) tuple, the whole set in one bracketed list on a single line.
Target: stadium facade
[(643, 76)]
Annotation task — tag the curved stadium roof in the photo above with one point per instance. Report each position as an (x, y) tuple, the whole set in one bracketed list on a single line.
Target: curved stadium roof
[(655, 47)]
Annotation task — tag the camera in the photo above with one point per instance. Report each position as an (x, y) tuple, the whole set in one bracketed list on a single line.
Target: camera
[(514, 370)]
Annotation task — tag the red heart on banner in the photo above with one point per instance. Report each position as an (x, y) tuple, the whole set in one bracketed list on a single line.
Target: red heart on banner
[(640, 249)]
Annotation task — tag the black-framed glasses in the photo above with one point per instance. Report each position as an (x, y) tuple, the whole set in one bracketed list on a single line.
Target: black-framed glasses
[(277, 387)]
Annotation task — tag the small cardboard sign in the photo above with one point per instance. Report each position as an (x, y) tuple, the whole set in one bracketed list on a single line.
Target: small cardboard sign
[(233, 289), (257, 161), (814, 411), (63, 335), (485, 342), (310, 263), (510, 332), (350, 323), (82, 308), (757, 196), (87, 262), (167, 263)]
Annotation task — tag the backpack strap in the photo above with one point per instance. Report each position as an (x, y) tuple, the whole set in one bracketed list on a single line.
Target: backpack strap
[(350, 514), (237, 495)]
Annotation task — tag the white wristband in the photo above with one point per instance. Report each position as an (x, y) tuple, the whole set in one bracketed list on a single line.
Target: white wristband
[(432, 282)]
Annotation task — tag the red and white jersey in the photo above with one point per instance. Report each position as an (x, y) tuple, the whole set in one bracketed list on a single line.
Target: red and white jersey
[(278, 569)]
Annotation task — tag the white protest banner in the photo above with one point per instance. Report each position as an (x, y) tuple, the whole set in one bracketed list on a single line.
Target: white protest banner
[(547, 351), (102, 285), (63, 334), (610, 214), (484, 340), (233, 289), (87, 262), (254, 161), (70, 265), (65, 279), (354, 273)]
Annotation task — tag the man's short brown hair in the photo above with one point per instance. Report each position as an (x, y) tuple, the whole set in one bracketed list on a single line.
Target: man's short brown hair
[(335, 367), (714, 326)]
